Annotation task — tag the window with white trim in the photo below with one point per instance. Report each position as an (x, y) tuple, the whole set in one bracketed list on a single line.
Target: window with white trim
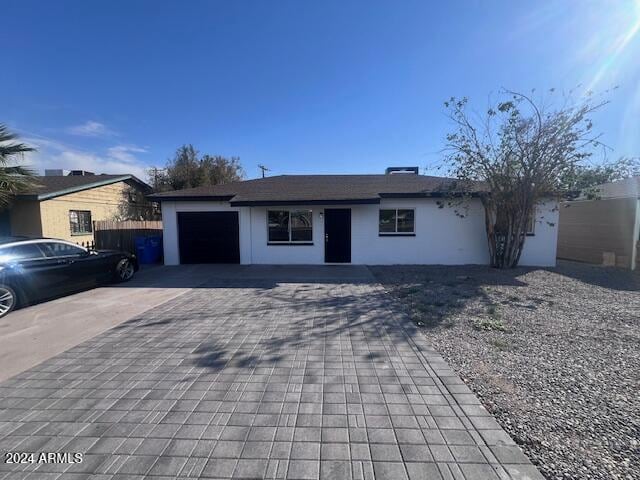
[(397, 221), (531, 223), (289, 226), (80, 221)]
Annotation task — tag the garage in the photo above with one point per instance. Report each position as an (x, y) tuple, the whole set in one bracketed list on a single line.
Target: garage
[(209, 237)]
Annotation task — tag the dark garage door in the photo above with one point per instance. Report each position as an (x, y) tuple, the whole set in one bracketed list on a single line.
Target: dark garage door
[(209, 237)]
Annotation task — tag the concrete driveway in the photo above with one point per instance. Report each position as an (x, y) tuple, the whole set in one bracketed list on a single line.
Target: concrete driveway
[(259, 372), (31, 335)]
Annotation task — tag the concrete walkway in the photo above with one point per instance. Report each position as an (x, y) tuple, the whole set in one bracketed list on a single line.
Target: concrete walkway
[(261, 373)]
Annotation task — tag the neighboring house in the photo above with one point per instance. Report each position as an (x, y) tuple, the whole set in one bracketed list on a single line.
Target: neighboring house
[(605, 230), (396, 218), (65, 206)]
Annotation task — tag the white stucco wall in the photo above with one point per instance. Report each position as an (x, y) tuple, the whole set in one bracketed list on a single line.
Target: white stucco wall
[(441, 237), (540, 249)]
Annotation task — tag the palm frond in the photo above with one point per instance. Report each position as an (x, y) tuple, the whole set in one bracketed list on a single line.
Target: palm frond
[(12, 183), (9, 148), (14, 179)]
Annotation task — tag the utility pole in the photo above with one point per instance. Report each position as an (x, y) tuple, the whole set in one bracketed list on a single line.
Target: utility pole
[(264, 169)]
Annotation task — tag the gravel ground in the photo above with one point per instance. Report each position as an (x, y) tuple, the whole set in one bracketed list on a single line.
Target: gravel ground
[(552, 353)]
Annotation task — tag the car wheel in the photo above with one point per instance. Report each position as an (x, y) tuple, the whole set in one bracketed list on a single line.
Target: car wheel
[(8, 299), (124, 270)]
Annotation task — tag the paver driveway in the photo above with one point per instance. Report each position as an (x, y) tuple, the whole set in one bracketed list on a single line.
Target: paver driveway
[(257, 379)]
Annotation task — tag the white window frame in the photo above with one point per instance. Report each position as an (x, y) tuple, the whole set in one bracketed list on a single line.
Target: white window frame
[(290, 242), (396, 233), (531, 222)]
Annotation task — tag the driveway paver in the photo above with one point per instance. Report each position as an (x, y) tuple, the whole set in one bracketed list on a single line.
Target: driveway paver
[(300, 378), (33, 334)]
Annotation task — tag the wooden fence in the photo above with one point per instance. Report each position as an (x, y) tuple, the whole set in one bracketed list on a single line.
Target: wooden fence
[(112, 235)]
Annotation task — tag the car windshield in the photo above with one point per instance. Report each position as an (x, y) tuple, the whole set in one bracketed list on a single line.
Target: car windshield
[(17, 253)]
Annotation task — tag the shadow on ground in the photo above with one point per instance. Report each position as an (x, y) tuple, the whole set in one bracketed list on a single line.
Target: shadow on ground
[(613, 278), (212, 276), (433, 295), (325, 304), (283, 317)]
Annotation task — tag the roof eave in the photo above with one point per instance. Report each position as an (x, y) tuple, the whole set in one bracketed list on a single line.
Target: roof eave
[(192, 198), (79, 188), (282, 203), (438, 194)]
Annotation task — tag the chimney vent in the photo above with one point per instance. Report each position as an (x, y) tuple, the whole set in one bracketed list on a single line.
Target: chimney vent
[(401, 170), (55, 172)]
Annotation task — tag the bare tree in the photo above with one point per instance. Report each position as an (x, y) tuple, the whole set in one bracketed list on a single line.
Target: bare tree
[(188, 169), (524, 150), (135, 206)]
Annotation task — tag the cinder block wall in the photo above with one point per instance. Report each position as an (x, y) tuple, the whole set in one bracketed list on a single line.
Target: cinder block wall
[(588, 228), (102, 202)]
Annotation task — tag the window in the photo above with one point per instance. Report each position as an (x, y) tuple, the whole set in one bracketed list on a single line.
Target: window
[(399, 221), (60, 249), (80, 221), (290, 226), (19, 253), (531, 223)]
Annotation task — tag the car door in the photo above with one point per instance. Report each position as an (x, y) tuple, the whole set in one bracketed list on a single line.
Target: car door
[(36, 275), (77, 271), (90, 269)]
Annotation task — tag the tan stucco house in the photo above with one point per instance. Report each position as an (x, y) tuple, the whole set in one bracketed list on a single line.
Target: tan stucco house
[(65, 206), (605, 230)]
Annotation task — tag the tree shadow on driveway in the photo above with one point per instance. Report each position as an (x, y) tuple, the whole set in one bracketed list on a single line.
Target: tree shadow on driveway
[(288, 314)]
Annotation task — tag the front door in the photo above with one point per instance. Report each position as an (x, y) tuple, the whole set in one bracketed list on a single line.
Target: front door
[(337, 235)]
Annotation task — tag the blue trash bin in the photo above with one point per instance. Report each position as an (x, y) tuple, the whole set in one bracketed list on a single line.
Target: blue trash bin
[(154, 248), (141, 249), (148, 249)]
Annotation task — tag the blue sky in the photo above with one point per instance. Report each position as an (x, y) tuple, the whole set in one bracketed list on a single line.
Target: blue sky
[(302, 87)]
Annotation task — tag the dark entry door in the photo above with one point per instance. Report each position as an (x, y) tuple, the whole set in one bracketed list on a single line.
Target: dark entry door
[(337, 235), (209, 237)]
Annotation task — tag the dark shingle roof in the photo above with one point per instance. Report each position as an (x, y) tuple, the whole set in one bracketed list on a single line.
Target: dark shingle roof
[(55, 186), (285, 189)]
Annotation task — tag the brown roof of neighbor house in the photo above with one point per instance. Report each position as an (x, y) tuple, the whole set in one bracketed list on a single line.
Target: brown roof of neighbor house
[(55, 186), (326, 189)]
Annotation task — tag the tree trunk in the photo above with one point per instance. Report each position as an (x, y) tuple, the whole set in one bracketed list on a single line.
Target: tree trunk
[(490, 223), (505, 226)]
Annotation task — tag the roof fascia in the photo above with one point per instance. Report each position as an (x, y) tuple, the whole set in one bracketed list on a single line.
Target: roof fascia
[(75, 189), (276, 203)]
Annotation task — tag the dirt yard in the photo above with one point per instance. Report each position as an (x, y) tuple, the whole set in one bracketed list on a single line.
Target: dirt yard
[(554, 354)]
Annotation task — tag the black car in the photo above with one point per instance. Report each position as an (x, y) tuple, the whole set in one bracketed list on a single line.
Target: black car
[(32, 270)]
